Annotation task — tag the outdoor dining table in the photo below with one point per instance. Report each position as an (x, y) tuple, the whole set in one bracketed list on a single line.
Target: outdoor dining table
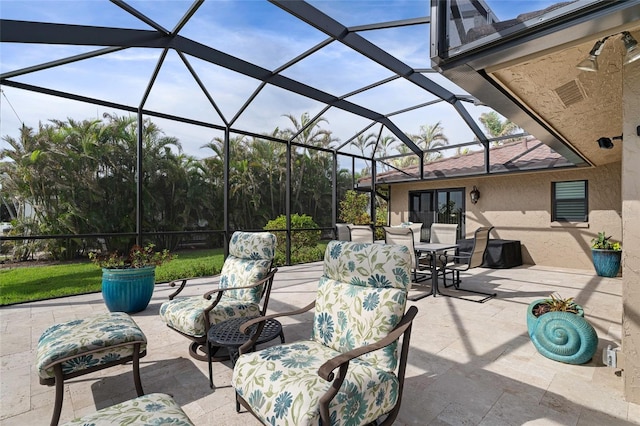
[(432, 250)]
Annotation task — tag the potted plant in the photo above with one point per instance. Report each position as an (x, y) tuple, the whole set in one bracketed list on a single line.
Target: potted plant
[(606, 255), (128, 280), (559, 331)]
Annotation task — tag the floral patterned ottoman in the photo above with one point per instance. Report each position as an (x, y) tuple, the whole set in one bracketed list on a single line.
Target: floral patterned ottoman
[(86, 345), (153, 409)]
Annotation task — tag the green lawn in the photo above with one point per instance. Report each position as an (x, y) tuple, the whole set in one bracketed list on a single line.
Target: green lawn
[(29, 283), (25, 284)]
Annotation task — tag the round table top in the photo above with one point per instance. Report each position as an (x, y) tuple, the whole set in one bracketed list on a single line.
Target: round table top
[(227, 333)]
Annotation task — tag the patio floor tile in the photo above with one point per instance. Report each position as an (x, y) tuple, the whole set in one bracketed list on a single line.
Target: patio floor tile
[(469, 363)]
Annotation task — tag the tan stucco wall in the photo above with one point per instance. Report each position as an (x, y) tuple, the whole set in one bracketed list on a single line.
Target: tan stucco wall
[(631, 233), (519, 207)]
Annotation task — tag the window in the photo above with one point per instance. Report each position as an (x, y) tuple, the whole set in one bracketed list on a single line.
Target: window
[(569, 201), (437, 206)]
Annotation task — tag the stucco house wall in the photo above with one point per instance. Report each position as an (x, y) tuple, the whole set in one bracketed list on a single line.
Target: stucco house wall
[(519, 207)]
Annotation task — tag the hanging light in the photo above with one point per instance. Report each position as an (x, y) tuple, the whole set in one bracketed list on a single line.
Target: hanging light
[(591, 63), (631, 46)]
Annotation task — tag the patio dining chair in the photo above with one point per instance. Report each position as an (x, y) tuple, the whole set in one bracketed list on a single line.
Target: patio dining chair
[(406, 237), (416, 227), (342, 232), (351, 370), (443, 233), (245, 281), (464, 261), (361, 233)]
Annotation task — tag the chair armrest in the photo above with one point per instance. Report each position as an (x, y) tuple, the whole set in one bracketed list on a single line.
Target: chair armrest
[(183, 283), (244, 328), (326, 370), (342, 361), (463, 255), (220, 291)]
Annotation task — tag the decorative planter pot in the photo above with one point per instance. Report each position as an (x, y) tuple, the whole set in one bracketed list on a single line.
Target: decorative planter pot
[(606, 262), (128, 290), (562, 336)]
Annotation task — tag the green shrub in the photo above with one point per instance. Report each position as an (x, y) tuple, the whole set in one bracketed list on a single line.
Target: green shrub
[(354, 207), (304, 244)]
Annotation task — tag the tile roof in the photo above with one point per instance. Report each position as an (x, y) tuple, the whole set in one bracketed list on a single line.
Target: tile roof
[(524, 154)]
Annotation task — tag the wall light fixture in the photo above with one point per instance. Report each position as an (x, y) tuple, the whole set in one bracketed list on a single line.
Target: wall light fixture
[(474, 195)]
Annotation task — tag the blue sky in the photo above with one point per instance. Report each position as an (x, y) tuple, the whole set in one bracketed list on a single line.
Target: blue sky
[(252, 30)]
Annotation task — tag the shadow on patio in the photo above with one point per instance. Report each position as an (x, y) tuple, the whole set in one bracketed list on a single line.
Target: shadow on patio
[(469, 363)]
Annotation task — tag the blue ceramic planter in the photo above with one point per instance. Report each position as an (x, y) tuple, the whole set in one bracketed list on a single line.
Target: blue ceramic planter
[(606, 262), (128, 290), (562, 336)]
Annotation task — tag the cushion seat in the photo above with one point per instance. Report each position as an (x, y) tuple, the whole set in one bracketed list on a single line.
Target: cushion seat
[(367, 393), (82, 346), (152, 409), (84, 343), (186, 314)]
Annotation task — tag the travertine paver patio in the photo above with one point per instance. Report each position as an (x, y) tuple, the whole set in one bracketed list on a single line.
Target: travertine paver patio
[(470, 364)]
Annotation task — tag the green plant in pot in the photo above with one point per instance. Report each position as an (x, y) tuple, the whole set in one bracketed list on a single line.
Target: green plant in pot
[(128, 280), (559, 331), (606, 255)]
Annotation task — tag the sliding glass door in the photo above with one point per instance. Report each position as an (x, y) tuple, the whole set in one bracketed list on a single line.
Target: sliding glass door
[(437, 206)]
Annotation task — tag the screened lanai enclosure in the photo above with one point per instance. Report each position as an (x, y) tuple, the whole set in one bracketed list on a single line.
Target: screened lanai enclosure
[(250, 112)]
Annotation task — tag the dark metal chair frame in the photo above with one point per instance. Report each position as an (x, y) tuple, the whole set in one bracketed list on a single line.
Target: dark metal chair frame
[(406, 236), (467, 260), (60, 377), (198, 347)]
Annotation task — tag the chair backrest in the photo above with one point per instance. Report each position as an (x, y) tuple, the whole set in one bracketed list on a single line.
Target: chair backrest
[(250, 259), (480, 242), (402, 236), (361, 297), (444, 233), (361, 233), (416, 227), (342, 232)]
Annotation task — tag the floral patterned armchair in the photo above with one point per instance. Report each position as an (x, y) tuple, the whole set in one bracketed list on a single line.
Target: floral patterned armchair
[(246, 279), (351, 370)]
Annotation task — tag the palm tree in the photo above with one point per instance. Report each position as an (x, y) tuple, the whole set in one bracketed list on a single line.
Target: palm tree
[(382, 147), (408, 160), (431, 136), (244, 193), (496, 127), (270, 157), (309, 134), (362, 141)]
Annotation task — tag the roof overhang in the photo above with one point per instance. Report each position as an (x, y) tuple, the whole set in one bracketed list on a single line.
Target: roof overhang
[(488, 70)]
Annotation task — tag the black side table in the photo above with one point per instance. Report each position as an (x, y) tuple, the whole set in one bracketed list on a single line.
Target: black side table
[(227, 334)]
